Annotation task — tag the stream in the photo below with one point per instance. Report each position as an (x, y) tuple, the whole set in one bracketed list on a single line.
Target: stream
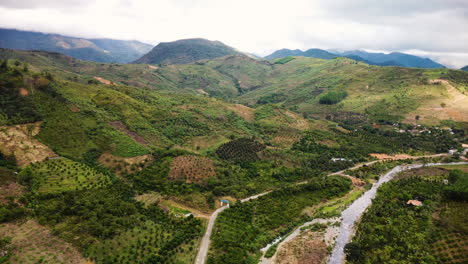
[(354, 212)]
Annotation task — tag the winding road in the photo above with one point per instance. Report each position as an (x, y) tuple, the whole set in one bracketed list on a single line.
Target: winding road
[(205, 242)]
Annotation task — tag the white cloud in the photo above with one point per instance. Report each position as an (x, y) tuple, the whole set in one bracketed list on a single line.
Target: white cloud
[(433, 27)]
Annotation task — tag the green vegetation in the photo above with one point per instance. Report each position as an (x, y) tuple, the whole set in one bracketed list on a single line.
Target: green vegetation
[(61, 175), (284, 60), (393, 231), (242, 230), (170, 115), (242, 149), (333, 97)]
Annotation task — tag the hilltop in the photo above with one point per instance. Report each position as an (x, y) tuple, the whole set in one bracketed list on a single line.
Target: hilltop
[(186, 51), (99, 50), (464, 68)]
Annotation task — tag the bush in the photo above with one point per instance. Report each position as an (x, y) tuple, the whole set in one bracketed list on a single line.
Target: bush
[(333, 97)]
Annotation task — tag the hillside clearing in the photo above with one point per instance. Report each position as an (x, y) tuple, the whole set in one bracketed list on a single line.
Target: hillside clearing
[(34, 243), (19, 141)]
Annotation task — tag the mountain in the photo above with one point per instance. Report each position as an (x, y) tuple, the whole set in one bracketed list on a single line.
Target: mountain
[(464, 68), (186, 51), (394, 59), (98, 50), (312, 53), (380, 59)]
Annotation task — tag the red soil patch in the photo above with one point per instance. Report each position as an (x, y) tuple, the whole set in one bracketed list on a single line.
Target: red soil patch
[(122, 128), (23, 91), (74, 109), (191, 169)]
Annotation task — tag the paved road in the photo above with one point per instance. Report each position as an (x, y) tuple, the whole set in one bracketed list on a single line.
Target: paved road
[(205, 243)]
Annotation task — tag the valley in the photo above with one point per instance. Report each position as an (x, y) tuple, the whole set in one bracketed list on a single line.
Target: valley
[(128, 163)]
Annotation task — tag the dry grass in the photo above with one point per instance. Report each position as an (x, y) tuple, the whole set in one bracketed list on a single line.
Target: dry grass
[(390, 157), (19, 141), (149, 198), (452, 104), (308, 248), (33, 243), (247, 113)]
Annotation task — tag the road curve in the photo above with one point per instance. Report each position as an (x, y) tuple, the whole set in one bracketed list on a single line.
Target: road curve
[(205, 242)]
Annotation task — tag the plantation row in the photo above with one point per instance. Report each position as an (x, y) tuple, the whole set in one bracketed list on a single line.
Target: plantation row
[(60, 175)]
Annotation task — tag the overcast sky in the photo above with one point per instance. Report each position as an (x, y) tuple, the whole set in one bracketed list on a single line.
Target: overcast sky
[(433, 28)]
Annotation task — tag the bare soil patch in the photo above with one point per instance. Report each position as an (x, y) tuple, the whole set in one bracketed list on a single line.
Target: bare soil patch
[(191, 169), (381, 156), (202, 91), (33, 243), (247, 113), (423, 172), (23, 91), (152, 67), (120, 165), (286, 137), (308, 248), (19, 141), (299, 122), (123, 128), (11, 189), (104, 81)]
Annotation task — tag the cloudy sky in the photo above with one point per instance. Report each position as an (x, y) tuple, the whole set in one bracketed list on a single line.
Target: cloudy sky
[(432, 28)]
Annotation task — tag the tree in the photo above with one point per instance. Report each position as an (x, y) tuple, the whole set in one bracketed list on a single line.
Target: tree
[(353, 251)]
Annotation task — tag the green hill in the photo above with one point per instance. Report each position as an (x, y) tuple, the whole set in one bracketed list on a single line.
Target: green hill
[(464, 68), (186, 51)]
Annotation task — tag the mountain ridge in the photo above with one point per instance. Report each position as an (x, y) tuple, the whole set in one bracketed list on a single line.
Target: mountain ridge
[(379, 59), (92, 49)]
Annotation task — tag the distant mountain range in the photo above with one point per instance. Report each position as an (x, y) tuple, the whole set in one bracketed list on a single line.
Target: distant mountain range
[(380, 59), (464, 68), (181, 51), (98, 50), (186, 51), (312, 53)]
